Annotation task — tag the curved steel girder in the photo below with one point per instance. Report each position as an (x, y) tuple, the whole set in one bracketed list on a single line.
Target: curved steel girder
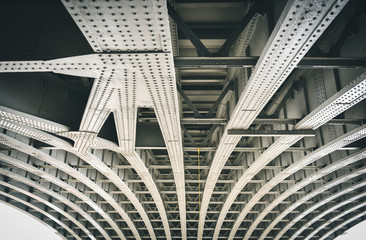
[(314, 207), (293, 189), (41, 211), (273, 67), (329, 210), (57, 196), (332, 146), (352, 93), (156, 87), (50, 205), (99, 165), (8, 141), (31, 121), (336, 217), (333, 230), (306, 212)]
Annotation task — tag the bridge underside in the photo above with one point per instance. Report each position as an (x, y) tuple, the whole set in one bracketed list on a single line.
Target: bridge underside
[(155, 119)]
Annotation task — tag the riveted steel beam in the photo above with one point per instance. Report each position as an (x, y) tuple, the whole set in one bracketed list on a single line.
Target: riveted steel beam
[(308, 180), (271, 133), (183, 26), (4, 197), (249, 62), (330, 147), (32, 184), (326, 111)]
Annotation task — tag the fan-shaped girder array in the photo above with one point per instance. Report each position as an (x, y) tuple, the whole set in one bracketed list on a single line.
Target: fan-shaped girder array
[(273, 67)]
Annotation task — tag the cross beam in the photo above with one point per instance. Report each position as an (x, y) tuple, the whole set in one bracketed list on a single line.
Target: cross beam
[(249, 62)]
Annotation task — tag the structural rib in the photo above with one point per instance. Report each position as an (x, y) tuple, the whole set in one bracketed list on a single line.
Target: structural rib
[(8, 141), (50, 205), (350, 94), (329, 210), (308, 180), (285, 48), (330, 147), (344, 223), (76, 208), (43, 212), (98, 164)]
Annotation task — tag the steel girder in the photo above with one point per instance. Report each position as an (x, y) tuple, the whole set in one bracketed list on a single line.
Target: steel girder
[(308, 180), (9, 141), (316, 118), (32, 184), (113, 91), (330, 147), (329, 208), (248, 62), (95, 162), (273, 67), (335, 218), (348, 221), (42, 211), (112, 94), (48, 203)]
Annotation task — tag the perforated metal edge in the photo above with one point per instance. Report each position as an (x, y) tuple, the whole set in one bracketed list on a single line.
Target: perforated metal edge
[(93, 161), (304, 21), (323, 113)]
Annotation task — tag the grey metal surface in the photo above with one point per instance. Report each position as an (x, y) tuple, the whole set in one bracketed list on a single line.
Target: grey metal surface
[(106, 110)]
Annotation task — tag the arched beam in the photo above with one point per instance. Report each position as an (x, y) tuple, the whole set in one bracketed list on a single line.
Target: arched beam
[(306, 212), (355, 218), (308, 180), (314, 207), (329, 210), (330, 147), (334, 218), (98, 164), (353, 93), (43, 212), (8, 141), (50, 205), (273, 67), (76, 208)]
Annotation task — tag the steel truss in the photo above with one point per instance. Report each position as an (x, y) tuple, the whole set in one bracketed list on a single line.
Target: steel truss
[(230, 160)]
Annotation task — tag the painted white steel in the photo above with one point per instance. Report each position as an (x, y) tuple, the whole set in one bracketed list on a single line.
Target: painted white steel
[(53, 206), (332, 146), (308, 180), (331, 231), (57, 196), (352, 93), (8, 141), (98, 164), (42, 212), (311, 209), (299, 26)]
